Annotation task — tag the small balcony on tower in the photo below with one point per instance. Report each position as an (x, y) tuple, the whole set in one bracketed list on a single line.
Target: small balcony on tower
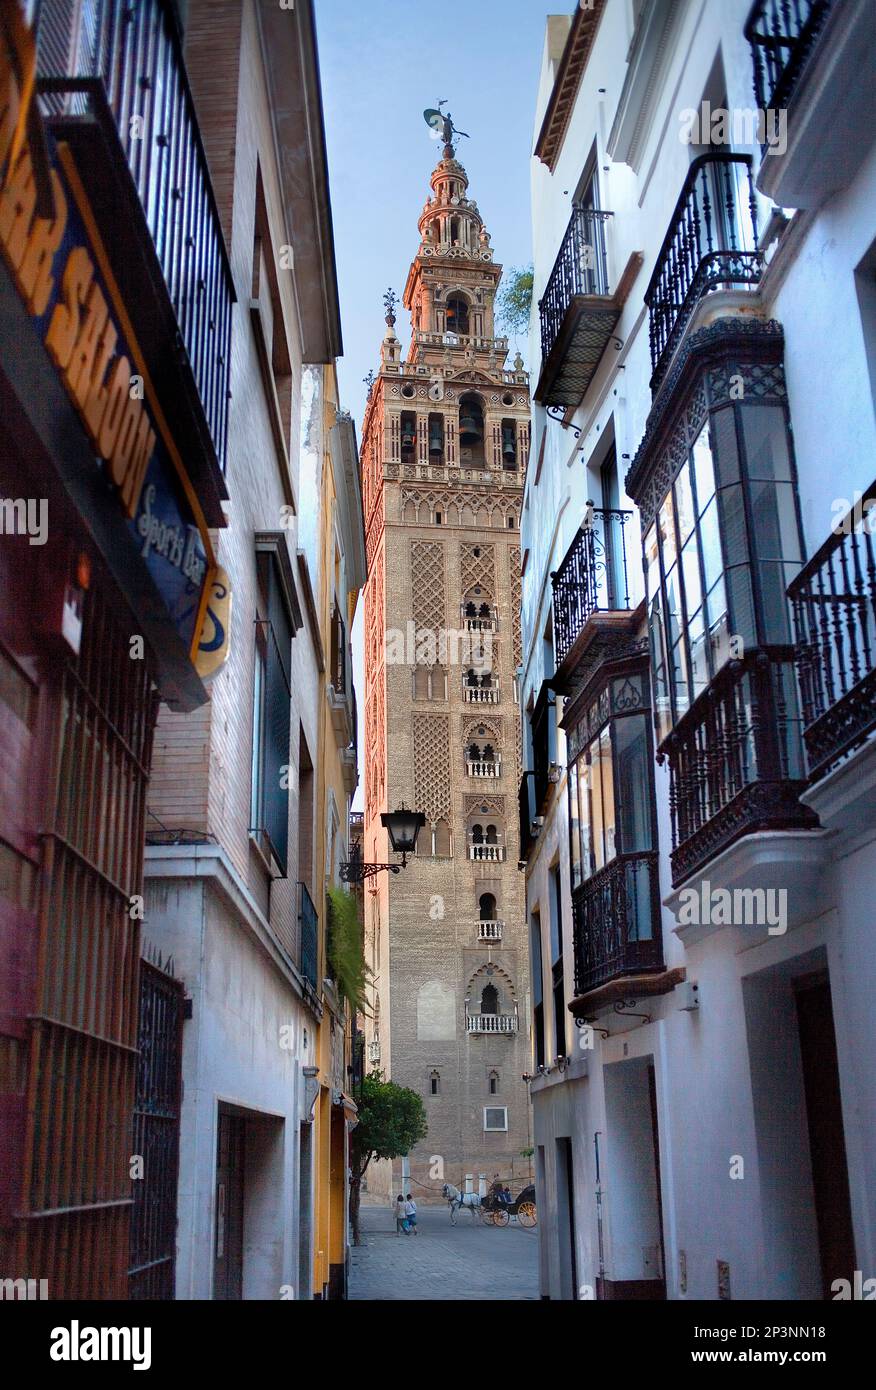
[(807, 59), (479, 616), (486, 843), (591, 592), (711, 244), (480, 688), (579, 310)]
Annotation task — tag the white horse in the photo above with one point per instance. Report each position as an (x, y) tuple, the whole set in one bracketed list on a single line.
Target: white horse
[(459, 1199)]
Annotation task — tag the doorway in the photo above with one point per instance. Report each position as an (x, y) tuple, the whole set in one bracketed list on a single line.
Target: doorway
[(631, 1184), (228, 1250), (827, 1145), (566, 1219)]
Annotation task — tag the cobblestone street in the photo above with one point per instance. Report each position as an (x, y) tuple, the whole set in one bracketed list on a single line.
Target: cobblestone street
[(466, 1261)]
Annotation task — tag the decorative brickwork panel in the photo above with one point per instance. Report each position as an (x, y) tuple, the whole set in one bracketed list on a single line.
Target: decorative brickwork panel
[(484, 805), (428, 597), (477, 568), (516, 594), (432, 766)]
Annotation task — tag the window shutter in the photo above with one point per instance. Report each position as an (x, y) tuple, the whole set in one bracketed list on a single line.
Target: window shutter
[(277, 719)]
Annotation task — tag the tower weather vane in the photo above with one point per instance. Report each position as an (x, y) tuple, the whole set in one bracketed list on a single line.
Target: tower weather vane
[(442, 125)]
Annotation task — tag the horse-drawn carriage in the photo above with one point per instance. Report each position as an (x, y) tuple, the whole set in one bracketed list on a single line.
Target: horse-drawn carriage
[(496, 1210)]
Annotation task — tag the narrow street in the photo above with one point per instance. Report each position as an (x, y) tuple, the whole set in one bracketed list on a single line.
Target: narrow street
[(453, 1263)]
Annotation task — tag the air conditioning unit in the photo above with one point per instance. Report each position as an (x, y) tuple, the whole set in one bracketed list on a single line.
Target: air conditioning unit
[(555, 772), (536, 826)]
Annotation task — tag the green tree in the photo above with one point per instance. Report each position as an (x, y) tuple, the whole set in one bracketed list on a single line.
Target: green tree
[(392, 1119), (514, 300), (346, 951)]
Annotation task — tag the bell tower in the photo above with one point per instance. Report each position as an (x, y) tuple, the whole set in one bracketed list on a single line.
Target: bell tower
[(445, 445)]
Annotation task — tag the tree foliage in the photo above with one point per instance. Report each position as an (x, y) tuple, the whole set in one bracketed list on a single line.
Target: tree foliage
[(346, 951), (391, 1120), (514, 300)]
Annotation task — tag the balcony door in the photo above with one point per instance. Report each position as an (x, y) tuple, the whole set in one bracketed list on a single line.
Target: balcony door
[(591, 247), (610, 501)]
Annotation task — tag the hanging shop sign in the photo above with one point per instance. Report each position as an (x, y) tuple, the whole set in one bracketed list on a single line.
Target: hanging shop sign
[(62, 273)]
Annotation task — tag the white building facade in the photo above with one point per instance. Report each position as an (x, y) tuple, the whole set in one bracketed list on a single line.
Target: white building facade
[(698, 650)]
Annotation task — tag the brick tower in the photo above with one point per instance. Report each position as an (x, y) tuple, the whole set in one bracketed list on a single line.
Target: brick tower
[(444, 449)]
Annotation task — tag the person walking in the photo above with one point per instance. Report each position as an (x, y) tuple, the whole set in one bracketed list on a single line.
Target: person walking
[(401, 1220), (411, 1213)]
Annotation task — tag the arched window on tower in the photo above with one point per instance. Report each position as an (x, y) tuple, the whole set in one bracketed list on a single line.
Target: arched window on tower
[(477, 834), (487, 907), (489, 1000), (408, 435), (471, 432), (457, 309), (494, 1083), (434, 1083)]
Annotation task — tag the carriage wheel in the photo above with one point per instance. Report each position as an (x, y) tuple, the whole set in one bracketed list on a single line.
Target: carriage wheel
[(501, 1217), (526, 1215), (487, 1216)]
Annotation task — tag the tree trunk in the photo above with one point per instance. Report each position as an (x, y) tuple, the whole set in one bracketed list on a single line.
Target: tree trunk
[(355, 1193)]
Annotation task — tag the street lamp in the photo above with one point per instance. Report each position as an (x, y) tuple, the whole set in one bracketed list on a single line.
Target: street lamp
[(403, 826)]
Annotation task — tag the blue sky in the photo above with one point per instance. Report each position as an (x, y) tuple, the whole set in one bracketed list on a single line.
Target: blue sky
[(382, 63)]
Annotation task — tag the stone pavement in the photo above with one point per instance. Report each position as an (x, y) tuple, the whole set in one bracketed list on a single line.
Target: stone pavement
[(443, 1262)]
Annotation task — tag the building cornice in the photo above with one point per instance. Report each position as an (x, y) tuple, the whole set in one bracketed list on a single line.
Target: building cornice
[(209, 862), (581, 38)]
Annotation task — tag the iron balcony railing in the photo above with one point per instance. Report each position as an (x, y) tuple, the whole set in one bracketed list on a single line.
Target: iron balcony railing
[(711, 244), (616, 918), (309, 926), (736, 760), (834, 603), (581, 268), (592, 578), (135, 51), (782, 34)]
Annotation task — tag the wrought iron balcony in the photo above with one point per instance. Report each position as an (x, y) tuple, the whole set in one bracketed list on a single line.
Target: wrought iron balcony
[(711, 244), (782, 34), (309, 928), (124, 105), (592, 578), (578, 312), (616, 918), (736, 760), (834, 603)]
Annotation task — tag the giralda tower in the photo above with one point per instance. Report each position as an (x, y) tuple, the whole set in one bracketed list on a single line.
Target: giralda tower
[(444, 449)]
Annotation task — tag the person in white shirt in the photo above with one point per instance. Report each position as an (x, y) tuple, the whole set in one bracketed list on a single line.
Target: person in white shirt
[(411, 1214)]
